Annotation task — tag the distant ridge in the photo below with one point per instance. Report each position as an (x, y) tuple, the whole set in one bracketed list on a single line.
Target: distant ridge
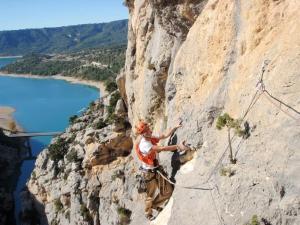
[(63, 39)]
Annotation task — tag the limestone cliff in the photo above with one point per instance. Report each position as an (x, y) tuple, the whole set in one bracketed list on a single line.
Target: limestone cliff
[(85, 175), (194, 60)]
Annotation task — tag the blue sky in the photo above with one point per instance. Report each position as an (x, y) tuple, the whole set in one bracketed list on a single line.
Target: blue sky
[(20, 14)]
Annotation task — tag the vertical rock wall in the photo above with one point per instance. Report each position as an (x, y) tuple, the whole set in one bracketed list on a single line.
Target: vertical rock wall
[(197, 59)]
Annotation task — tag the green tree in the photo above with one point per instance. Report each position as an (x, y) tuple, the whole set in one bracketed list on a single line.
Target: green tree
[(230, 123)]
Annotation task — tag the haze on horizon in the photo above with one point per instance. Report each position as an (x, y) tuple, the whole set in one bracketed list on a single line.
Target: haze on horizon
[(17, 14)]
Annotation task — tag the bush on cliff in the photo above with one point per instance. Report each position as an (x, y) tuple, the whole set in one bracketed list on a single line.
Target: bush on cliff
[(124, 216), (58, 149), (72, 156), (85, 213), (100, 124), (112, 106), (113, 102), (73, 119), (58, 205), (110, 85), (227, 121)]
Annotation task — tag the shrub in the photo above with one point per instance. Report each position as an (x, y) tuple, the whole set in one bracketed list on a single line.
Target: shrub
[(72, 156), (58, 206), (71, 139), (73, 119), (33, 175), (85, 213), (226, 172), (113, 102), (100, 124), (57, 150), (124, 215), (227, 121), (118, 174), (67, 215), (111, 85), (91, 105), (151, 67), (54, 222), (66, 174), (112, 118), (254, 220)]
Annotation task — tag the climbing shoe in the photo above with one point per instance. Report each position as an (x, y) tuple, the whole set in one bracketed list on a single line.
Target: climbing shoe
[(159, 209)]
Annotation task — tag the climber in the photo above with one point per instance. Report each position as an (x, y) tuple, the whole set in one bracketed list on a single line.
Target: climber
[(147, 151)]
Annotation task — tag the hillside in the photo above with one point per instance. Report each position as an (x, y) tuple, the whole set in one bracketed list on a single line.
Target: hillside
[(63, 39), (101, 64), (194, 60)]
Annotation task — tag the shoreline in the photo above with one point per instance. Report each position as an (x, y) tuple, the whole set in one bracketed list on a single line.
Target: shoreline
[(97, 84), (13, 56)]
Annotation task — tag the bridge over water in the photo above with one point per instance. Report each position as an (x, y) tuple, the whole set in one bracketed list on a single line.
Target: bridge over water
[(27, 136), (35, 134)]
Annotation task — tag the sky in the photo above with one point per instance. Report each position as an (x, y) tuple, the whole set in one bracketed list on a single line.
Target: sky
[(22, 14)]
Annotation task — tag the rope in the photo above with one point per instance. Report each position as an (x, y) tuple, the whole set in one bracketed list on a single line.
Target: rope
[(253, 101), (270, 97), (260, 90), (185, 187), (216, 209), (261, 87)]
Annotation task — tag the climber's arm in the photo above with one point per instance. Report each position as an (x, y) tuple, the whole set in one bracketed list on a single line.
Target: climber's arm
[(170, 132), (164, 148), (181, 147)]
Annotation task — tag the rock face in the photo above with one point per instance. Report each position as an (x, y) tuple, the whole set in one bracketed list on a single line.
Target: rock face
[(194, 60), (85, 175), (12, 152)]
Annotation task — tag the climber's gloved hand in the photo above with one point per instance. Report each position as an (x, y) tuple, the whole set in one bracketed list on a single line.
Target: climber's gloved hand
[(179, 124), (182, 147)]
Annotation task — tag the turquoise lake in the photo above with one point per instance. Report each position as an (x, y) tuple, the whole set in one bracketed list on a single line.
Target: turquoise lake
[(42, 105), (5, 61)]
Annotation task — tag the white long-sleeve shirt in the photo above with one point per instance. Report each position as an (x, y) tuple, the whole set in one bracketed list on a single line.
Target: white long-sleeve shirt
[(145, 147)]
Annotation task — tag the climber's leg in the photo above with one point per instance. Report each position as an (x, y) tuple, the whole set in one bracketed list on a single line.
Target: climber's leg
[(165, 190), (151, 187)]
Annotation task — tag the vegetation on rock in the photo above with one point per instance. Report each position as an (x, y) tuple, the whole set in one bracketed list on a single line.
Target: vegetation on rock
[(72, 156), (100, 124), (72, 119), (226, 172), (85, 213), (112, 106), (58, 149), (58, 205), (254, 221), (124, 215), (101, 64), (227, 121)]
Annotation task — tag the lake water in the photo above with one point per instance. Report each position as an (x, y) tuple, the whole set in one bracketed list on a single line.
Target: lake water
[(42, 105), (5, 61)]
